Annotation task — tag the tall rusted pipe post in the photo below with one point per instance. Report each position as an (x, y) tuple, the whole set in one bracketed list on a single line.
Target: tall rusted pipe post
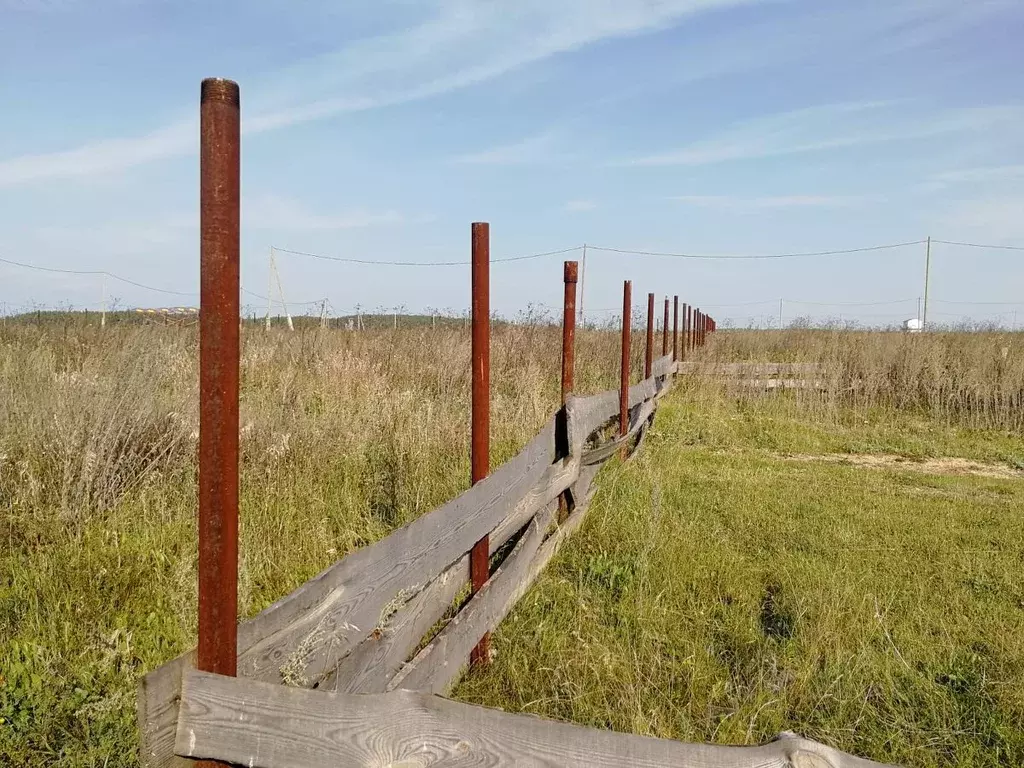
[(687, 309), (480, 454), (675, 328), (219, 319), (627, 310), (664, 331), (570, 271), (649, 353)]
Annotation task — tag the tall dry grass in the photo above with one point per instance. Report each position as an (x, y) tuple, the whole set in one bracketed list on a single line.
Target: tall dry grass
[(344, 435), (968, 379)]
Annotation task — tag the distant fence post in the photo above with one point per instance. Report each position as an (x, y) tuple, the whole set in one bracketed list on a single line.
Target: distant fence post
[(570, 272), (627, 310), (219, 321), (664, 331), (480, 453), (691, 312), (569, 276), (675, 328), (649, 354)]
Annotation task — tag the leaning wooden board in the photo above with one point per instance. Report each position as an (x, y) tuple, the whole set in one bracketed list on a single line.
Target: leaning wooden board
[(272, 726), (326, 631)]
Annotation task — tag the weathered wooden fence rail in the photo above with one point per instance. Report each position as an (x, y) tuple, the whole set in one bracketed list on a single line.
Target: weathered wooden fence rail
[(344, 671), (352, 627)]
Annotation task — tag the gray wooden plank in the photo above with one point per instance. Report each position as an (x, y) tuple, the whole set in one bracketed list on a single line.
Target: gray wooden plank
[(605, 451), (328, 614), (748, 368), (311, 629), (321, 623), (374, 662), (377, 659), (586, 415), (273, 726), (440, 662)]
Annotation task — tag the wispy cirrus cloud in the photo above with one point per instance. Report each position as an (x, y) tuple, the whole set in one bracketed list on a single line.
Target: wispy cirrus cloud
[(729, 202), (458, 43), (533, 149), (979, 174), (830, 127), (272, 212)]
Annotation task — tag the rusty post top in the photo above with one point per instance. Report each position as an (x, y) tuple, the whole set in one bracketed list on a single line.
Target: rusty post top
[(219, 89), (571, 271)]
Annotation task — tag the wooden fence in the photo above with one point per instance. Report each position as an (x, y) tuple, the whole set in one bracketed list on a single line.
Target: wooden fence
[(350, 668)]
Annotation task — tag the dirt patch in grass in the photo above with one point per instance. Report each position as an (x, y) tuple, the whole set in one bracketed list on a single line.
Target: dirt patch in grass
[(940, 466)]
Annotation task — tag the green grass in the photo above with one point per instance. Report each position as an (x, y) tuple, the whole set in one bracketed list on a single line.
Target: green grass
[(719, 592)]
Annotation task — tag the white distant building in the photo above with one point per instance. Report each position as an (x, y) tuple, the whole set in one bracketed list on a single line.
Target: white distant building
[(913, 325)]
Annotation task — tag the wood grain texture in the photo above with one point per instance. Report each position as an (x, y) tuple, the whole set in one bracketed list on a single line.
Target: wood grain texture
[(440, 663), (663, 366), (587, 415), (637, 418), (315, 626), (334, 615), (374, 662), (327, 615), (273, 726)]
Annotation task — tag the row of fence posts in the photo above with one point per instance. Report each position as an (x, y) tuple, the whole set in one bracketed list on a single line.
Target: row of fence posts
[(219, 364)]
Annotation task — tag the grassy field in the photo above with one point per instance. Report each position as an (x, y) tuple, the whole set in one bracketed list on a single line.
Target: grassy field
[(728, 584)]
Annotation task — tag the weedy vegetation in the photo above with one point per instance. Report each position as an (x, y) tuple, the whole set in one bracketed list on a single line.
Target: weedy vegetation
[(744, 574)]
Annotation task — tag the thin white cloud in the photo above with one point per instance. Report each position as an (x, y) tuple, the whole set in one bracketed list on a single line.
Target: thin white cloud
[(100, 157), (979, 174), (829, 127), (462, 43), (728, 202), (533, 149), (580, 206), (271, 212)]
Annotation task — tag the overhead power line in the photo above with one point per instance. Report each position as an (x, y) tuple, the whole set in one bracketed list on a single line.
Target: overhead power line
[(981, 245), (98, 272), (755, 256), (464, 262), (851, 303)]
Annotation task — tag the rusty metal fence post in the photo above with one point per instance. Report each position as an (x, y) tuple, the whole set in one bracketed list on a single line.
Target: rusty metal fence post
[(570, 272), (649, 354), (480, 453), (675, 328), (664, 331), (627, 309), (219, 320)]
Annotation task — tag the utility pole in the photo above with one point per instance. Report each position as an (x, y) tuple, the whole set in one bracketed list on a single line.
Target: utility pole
[(280, 291), (103, 300), (780, 314), (270, 285), (583, 274), (927, 278)]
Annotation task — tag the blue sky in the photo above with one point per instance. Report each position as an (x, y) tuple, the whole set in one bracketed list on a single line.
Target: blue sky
[(380, 130)]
